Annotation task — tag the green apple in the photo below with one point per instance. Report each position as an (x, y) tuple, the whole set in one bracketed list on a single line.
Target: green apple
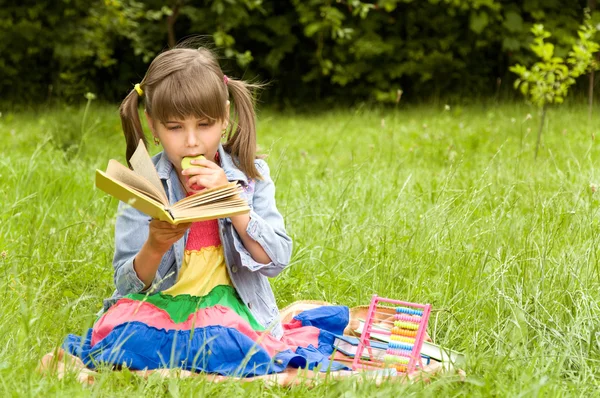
[(185, 162)]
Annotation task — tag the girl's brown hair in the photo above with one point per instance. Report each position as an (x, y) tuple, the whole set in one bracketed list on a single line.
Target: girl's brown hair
[(184, 82)]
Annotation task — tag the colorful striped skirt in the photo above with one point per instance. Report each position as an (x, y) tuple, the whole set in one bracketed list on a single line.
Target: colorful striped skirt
[(215, 333)]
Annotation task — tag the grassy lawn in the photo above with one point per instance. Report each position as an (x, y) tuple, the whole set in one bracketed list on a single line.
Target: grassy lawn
[(423, 204)]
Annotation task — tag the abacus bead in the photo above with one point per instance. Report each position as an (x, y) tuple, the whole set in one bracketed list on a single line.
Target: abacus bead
[(402, 339), (400, 345), (402, 360), (407, 318), (388, 358), (406, 325), (405, 353), (409, 333), (409, 311)]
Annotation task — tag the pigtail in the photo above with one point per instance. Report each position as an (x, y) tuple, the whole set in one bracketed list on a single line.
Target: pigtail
[(241, 140), (132, 126)]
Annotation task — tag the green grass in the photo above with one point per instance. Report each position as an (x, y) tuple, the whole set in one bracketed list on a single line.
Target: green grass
[(424, 204)]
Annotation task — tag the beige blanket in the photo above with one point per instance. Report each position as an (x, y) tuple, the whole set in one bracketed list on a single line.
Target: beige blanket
[(59, 363)]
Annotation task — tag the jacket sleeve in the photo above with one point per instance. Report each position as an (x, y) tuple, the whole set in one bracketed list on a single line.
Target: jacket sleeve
[(131, 232), (266, 227)]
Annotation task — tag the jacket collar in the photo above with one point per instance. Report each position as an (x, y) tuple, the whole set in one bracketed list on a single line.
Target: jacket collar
[(164, 167), (228, 164)]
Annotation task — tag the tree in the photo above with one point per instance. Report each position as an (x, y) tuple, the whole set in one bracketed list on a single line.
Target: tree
[(547, 82), (591, 7)]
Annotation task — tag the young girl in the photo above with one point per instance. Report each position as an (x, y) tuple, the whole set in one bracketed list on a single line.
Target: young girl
[(197, 296)]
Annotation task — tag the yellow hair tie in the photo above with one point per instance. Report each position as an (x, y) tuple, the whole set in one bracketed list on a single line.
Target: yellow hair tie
[(139, 90)]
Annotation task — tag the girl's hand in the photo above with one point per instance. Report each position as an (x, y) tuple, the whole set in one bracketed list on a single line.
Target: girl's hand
[(205, 174), (163, 235)]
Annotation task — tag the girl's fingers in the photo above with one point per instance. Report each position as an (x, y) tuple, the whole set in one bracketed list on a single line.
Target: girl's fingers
[(165, 227), (205, 163), (165, 233), (158, 223), (206, 181), (170, 235), (197, 171)]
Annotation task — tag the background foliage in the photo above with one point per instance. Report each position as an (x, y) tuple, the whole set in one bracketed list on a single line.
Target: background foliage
[(310, 49)]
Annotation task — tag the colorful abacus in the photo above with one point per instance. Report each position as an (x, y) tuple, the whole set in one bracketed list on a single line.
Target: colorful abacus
[(406, 329)]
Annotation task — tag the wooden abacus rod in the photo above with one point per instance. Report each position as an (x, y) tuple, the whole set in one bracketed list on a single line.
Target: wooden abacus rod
[(388, 315), (399, 302)]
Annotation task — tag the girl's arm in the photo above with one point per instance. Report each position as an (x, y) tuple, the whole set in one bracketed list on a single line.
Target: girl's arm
[(261, 238), (137, 256), (146, 263), (131, 232), (240, 223), (161, 237)]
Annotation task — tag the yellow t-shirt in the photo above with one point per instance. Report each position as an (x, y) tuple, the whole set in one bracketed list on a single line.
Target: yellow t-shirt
[(203, 265)]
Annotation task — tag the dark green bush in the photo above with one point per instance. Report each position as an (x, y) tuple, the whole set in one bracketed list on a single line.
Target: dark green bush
[(309, 49)]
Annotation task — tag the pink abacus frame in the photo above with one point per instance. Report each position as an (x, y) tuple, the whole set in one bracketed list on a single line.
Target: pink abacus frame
[(401, 307)]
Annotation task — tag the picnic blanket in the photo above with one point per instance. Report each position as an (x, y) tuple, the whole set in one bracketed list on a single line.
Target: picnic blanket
[(304, 354)]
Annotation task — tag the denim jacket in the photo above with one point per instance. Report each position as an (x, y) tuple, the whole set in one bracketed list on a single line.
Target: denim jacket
[(249, 278)]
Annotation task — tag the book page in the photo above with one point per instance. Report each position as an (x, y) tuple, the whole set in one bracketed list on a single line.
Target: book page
[(218, 201), (201, 199), (142, 164), (223, 204), (132, 197), (153, 197), (200, 214), (206, 192), (121, 173)]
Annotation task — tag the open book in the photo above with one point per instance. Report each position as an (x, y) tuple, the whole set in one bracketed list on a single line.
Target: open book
[(142, 189)]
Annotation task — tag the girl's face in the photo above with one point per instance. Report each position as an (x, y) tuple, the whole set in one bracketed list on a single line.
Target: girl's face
[(191, 136)]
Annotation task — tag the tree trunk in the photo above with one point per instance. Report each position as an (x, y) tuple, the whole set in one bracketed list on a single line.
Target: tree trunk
[(539, 135), (171, 25), (592, 7), (591, 95)]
